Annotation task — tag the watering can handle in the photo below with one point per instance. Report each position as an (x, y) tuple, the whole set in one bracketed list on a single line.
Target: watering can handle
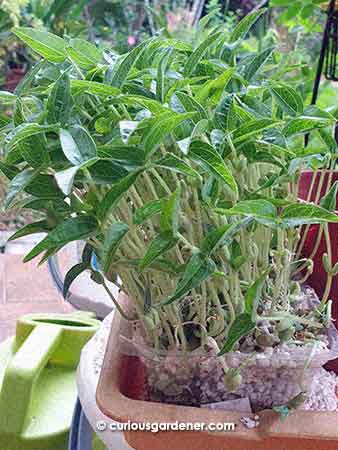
[(22, 373)]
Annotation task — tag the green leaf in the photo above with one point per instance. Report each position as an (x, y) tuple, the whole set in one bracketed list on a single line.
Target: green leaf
[(253, 294), (83, 53), (34, 151), (225, 115), (7, 98), (18, 114), (242, 29), (113, 196), (73, 229), (93, 87), (329, 200), (198, 53), (241, 327), (176, 164), (9, 170), (197, 270), (26, 81), (261, 210), (147, 211), (161, 74), (59, 101), (301, 125), (122, 68), (25, 131), (164, 124), (305, 213), (44, 186), (157, 247), (113, 238), (31, 228), (252, 128), (190, 105), (128, 155), (288, 99), (222, 236), (71, 275), (77, 145), (210, 160), (48, 45), (18, 184), (170, 212), (217, 85), (105, 171), (256, 64), (154, 106)]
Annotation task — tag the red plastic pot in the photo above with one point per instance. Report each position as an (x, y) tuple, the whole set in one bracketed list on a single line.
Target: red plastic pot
[(318, 278)]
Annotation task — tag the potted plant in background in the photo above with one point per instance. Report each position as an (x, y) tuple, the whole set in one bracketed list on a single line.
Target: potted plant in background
[(178, 167)]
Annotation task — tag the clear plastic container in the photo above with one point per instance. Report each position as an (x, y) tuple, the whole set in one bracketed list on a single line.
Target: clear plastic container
[(268, 379)]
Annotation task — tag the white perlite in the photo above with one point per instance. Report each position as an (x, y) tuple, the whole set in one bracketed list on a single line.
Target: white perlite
[(323, 392)]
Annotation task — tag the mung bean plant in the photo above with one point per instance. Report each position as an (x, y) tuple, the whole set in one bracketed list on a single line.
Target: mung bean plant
[(178, 168)]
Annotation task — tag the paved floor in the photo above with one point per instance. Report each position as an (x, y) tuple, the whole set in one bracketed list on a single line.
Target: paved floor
[(24, 288)]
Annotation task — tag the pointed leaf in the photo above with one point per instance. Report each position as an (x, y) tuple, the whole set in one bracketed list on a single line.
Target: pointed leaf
[(170, 212), (241, 327), (329, 200), (128, 155), (77, 144), (261, 210), (222, 236), (158, 246), (31, 228), (73, 229), (305, 213), (48, 45), (198, 53), (211, 160), (7, 98), (93, 87), (115, 193), (252, 128), (25, 131), (113, 238), (197, 270), (147, 211), (83, 53), (217, 85), (161, 72), (225, 115), (59, 101), (122, 68), (165, 124), (176, 164), (288, 99), (256, 64), (253, 295), (190, 105), (18, 184), (242, 29), (71, 275), (301, 125)]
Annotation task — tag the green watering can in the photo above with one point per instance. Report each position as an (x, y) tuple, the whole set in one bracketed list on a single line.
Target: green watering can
[(38, 380)]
